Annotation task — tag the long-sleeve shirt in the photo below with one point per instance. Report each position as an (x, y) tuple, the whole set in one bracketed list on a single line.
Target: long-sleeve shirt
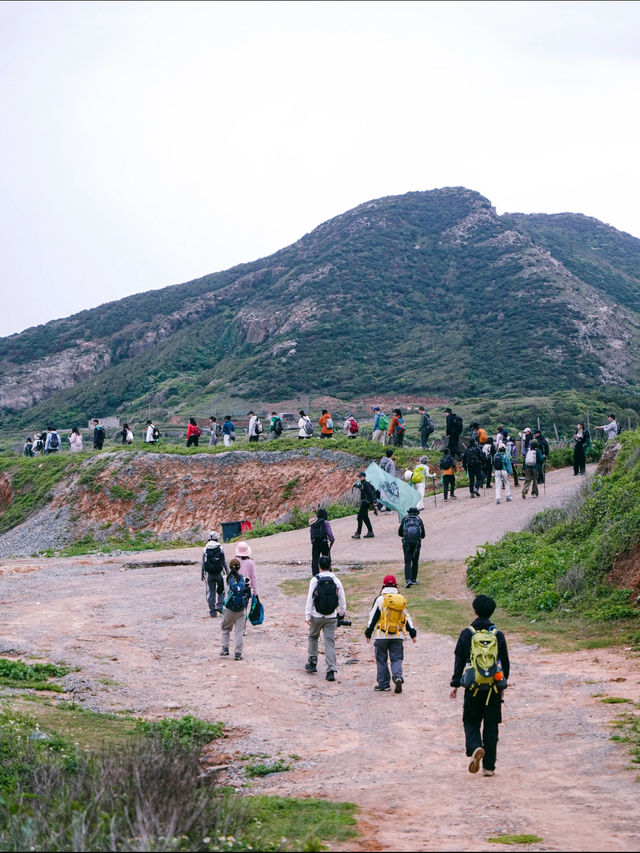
[(374, 618), (611, 430), (463, 649), (248, 569), (310, 610), (253, 420), (387, 464), (47, 444), (213, 544)]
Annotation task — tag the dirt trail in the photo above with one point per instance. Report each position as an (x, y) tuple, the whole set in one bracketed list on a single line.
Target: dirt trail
[(144, 641)]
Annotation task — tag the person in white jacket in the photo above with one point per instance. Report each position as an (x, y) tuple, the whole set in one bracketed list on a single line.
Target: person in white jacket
[(390, 620), (326, 603), (302, 425)]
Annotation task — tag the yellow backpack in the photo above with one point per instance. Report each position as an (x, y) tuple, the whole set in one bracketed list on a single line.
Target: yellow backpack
[(418, 474), (392, 617)]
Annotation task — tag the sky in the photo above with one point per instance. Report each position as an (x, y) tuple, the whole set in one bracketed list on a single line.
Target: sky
[(144, 144)]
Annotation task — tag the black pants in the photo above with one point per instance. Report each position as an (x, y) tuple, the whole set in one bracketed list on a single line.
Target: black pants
[(319, 548), (363, 518), (452, 444), (411, 557), (448, 482), (476, 713), (579, 460), (192, 440), (476, 478), (254, 437)]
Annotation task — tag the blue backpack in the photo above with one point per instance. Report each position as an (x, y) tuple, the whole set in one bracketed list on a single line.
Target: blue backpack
[(239, 593)]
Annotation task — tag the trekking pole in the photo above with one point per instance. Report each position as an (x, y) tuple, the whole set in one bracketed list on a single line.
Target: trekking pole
[(544, 477), (433, 480)]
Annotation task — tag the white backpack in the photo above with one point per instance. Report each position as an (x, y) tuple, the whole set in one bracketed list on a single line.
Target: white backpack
[(532, 457)]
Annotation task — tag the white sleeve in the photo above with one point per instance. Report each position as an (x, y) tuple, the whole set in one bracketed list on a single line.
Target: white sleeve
[(308, 610)]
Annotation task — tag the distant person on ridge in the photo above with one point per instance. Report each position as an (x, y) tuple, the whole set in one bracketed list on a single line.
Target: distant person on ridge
[(52, 442), (151, 434), (193, 433), (276, 427), (305, 427), (425, 427), (75, 440), (380, 425), (214, 431), (326, 424), (228, 431), (610, 429), (99, 434), (396, 428)]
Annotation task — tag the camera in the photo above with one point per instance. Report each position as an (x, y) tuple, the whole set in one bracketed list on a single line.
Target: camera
[(343, 621)]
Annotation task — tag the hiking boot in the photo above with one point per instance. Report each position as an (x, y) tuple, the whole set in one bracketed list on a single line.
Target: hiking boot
[(477, 494), (368, 535), (497, 500), (331, 676), (524, 497), (238, 655), (310, 667), (224, 653), (486, 772), (398, 683), (454, 498), (476, 759), (445, 500), (214, 614), (356, 536), (508, 499), (380, 689), (472, 495)]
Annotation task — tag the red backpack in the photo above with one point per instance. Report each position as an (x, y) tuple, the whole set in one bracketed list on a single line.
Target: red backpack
[(353, 426)]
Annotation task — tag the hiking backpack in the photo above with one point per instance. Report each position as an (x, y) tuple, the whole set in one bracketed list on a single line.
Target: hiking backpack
[(329, 423), (531, 457), (399, 430), (258, 427), (383, 422), (278, 426), (318, 530), (54, 441), (483, 672), (456, 425), (214, 561), (418, 474), (498, 462), (353, 426), (239, 593), (369, 493), (156, 433), (325, 596), (392, 615), (308, 426), (411, 528)]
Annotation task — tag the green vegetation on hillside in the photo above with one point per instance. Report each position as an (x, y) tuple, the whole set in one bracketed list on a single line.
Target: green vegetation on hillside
[(560, 563)]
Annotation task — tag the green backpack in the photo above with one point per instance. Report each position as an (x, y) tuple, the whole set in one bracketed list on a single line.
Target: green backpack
[(383, 422), (483, 672)]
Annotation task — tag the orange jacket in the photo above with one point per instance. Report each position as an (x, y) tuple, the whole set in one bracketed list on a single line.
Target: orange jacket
[(323, 424)]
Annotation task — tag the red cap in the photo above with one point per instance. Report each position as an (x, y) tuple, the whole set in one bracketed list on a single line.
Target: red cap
[(389, 580)]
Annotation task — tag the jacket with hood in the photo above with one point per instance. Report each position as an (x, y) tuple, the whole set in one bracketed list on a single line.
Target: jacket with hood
[(374, 619)]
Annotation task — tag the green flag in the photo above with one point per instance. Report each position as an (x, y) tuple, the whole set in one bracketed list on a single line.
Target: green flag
[(394, 493)]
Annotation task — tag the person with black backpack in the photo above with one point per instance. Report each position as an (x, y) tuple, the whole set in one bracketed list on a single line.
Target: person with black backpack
[(322, 539), (52, 441), (425, 427), (473, 462), (99, 434), (412, 531), (214, 568), (326, 606), (453, 431), (276, 427), (368, 499)]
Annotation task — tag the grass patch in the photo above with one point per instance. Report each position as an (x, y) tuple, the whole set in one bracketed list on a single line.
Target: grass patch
[(299, 824), (615, 700), (264, 769), (629, 734), (16, 673), (188, 731), (514, 839)]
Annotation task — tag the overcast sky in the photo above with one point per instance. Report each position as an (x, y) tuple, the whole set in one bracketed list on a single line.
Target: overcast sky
[(146, 144)]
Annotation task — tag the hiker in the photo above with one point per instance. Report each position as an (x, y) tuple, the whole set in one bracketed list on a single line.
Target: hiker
[(234, 614), (512, 450), (75, 440), (99, 434), (387, 464), (326, 424), (412, 531), (322, 539), (582, 444), (473, 462), (27, 448), (214, 568), (482, 705), (380, 426), (488, 452), (526, 438), (228, 431), (425, 427), (52, 441), (390, 620), (326, 605), (255, 427), (419, 479), (501, 471), (532, 463), (214, 431), (193, 433), (276, 427), (150, 433), (448, 473), (351, 426), (126, 434), (368, 498), (543, 444), (610, 429), (453, 431), (396, 428), (305, 427)]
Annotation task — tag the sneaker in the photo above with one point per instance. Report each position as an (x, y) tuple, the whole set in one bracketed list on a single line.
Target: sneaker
[(214, 615), (398, 682), (472, 495), (453, 497), (476, 759), (497, 500), (331, 676), (310, 667), (477, 494), (375, 510), (408, 584), (356, 536), (368, 536), (380, 689), (224, 653), (508, 499), (238, 655), (445, 500), (486, 772), (415, 583)]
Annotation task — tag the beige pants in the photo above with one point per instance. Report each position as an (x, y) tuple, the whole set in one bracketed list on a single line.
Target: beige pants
[(233, 619)]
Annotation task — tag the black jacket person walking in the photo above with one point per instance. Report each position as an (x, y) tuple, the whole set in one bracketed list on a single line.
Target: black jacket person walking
[(368, 499), (412, 531)]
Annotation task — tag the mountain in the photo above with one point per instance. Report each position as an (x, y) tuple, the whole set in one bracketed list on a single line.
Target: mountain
[(426, 293)]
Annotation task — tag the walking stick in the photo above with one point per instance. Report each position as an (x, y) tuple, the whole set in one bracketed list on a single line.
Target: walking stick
[(433, 480), (544, 477)]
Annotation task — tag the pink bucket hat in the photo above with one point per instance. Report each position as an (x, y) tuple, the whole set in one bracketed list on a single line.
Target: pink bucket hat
[(243, 549)]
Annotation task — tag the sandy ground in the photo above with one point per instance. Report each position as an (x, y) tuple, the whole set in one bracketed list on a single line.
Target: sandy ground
[(143, 641)]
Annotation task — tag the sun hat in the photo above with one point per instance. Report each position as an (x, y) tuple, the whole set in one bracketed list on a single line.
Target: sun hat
[(389, 580), (243, 549)]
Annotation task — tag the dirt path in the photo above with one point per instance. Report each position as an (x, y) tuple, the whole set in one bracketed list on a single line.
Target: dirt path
[(143, 641)]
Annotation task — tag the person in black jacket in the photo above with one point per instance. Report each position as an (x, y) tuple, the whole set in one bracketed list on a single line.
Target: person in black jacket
[(367, 501), (412, 531), (484, 709), (452, 432), (473, 461)]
